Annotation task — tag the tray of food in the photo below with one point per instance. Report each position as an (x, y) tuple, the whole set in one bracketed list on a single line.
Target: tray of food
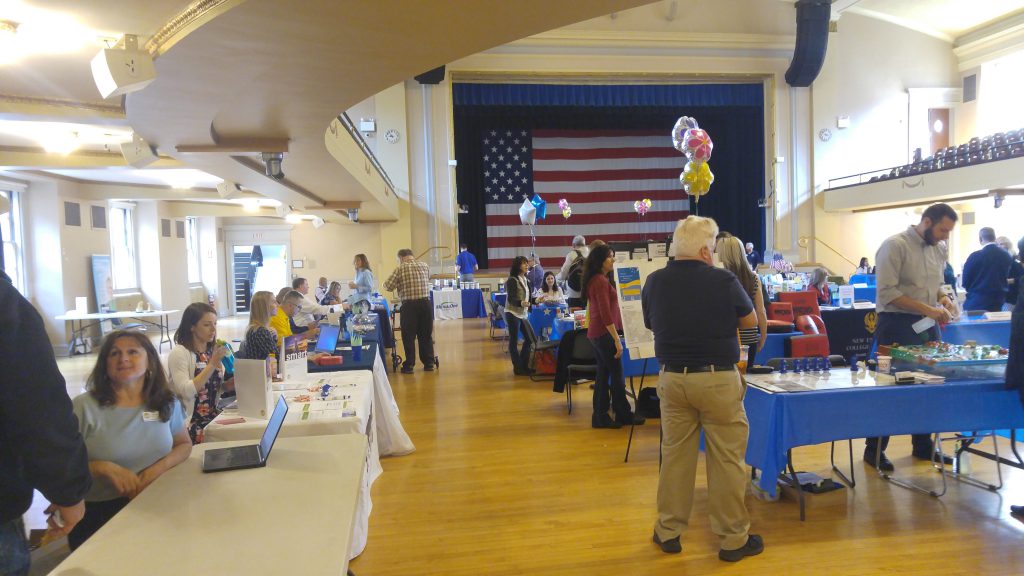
[(952, 361)]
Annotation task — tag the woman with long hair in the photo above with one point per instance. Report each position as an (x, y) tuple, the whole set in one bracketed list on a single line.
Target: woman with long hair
[(819, 285), (549, 292), (517, 303), (333, 295), (364, 284), (197, 373), (731, 254), (864, 267), (133, 426), (260, 338), (603, 333)]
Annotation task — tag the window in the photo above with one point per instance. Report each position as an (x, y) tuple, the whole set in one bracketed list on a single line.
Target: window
[(192, 245), (10, 232), (122, 247)]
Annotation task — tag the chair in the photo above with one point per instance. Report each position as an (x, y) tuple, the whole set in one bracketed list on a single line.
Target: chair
[(810, 324), (496, 319), (582, 362), (537, 345)]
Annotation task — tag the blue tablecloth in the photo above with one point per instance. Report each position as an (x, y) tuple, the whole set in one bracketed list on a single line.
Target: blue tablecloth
[(850, 330), (779, 422), (472, 303), (365, 363), (868, 293), (562, 326), (979, 331), (774, 347), (377, 335), (542, 317)]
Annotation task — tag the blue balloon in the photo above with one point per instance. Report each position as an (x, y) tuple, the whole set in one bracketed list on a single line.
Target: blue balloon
[(540, 205)]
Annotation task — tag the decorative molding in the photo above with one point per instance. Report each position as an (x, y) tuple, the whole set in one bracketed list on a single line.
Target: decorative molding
[(61, 103), (191, 18), (974, 49), (763, 45), (901, 22), (512, 77)]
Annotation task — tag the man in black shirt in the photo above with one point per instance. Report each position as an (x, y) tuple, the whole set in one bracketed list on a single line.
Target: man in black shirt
[(694, 310), (40, 446)]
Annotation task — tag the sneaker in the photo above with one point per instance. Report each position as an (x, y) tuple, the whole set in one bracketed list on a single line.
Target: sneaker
[(670, 546), (407, 370), (753, 547)]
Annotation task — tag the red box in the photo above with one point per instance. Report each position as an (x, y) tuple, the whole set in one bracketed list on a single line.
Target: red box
[(328, 361), (807, 346)]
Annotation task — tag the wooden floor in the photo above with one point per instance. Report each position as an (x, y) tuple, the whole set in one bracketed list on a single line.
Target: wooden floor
[(504, 482)]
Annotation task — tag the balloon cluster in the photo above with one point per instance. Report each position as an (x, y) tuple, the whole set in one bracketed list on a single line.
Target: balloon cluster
[(695, 143), (642, 206), (566, 209), (530, 211)]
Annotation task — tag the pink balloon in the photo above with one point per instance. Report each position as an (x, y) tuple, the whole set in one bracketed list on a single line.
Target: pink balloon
[(698, 145)]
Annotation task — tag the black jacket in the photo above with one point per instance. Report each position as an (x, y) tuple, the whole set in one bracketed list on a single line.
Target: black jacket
[(1015, 362), (40, 446)]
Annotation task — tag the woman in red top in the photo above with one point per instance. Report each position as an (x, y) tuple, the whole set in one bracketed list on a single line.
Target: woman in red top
[(603, 333), (819, 285)]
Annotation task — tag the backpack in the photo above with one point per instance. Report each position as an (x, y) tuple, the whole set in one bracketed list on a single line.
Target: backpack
[(575, 274), (648, 404)]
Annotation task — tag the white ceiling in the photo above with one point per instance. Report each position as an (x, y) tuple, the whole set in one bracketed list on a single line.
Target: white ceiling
[(181, 178), (257, 71)]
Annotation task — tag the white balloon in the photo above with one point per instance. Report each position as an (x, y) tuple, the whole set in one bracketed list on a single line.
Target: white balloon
[(528, 213)]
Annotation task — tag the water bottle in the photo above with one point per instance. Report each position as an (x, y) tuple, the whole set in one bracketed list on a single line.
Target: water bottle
[(357, 346), (782, 366)]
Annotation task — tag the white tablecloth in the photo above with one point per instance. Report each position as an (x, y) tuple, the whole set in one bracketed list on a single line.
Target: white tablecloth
[(447, 304), (309, 418), (293, 516), (391, 436)]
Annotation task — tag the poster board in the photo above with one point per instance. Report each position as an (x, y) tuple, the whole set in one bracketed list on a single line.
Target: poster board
[(630, 277), (253, 387), (293, 358)]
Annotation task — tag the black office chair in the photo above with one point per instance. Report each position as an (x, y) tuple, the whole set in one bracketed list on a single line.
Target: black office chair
[(582, 363)]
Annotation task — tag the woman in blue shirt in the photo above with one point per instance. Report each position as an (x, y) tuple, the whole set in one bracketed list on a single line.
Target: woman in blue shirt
[(133, 426), (364, 284)]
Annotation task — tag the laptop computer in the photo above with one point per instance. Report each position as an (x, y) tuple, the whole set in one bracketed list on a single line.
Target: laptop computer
[(253, 455), (328, 340)]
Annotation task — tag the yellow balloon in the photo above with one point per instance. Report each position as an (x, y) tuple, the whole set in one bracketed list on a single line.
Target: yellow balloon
[(697, 178)]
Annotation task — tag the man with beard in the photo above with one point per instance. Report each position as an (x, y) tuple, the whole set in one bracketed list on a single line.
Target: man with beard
[(909, 275)]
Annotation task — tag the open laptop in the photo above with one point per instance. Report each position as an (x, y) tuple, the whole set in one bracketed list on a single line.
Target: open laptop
[(328, 340), (251, 456)]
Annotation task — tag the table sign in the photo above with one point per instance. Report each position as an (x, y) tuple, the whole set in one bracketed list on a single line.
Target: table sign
[(293, 357), (253, 388)]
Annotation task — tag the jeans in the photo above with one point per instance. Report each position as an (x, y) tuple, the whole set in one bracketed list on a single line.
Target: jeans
[(520, 358), (466, 278), (896, 328), (14, 556), (609, 381), (418, 325)]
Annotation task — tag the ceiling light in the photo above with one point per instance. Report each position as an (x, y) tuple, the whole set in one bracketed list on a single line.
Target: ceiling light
[(318, 222), (251, 204), (61, 143), (293, 217), (119, 71), (26, 31)]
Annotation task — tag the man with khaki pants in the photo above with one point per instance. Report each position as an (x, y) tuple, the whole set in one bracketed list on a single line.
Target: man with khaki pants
[(694, 310)]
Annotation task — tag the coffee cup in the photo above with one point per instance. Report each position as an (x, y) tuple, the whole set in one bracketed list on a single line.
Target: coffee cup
[(884, 364)]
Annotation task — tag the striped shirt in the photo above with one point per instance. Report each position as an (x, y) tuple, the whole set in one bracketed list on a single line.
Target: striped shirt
[(411, 279)]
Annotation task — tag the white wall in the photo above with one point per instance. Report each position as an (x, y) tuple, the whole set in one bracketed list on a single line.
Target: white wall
[(44, 217), (868, 69), (212, 267)]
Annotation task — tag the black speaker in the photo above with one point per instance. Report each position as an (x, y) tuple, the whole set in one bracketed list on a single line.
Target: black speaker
[(434, 76), (812, 18)]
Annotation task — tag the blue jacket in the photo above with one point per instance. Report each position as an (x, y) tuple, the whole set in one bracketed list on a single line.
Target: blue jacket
[(984, 278)]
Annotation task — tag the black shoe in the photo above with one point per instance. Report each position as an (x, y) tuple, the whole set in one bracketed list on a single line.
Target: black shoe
[(753, 547), (407, 369), (428, 367), (519, 372), (670, 546), (946, 458), (605, 422), (884, 464), (1017, 510)]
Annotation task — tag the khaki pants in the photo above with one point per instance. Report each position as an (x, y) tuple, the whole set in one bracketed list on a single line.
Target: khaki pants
[(712, 401)]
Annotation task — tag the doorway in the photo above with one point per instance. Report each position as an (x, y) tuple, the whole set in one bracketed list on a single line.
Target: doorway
[(257, 267)]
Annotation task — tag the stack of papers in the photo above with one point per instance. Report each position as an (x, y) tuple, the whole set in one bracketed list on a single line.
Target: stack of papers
[(922, 377)]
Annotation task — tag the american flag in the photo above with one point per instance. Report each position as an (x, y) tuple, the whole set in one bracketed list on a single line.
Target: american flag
[(599, 172)]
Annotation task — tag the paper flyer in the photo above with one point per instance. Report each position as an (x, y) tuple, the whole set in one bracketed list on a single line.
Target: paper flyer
[(629, 280), (293, 356)]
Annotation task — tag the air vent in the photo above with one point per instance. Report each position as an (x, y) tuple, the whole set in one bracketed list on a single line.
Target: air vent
[(220, 234), (165, 227), (970, 88), (968, 218), (99, 217), (72, 214), (179, 228)]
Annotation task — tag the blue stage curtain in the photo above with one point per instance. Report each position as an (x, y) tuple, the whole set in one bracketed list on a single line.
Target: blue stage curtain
[(618, 95)]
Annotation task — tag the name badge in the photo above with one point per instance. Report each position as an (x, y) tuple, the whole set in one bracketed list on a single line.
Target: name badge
[(150, 416), (200, 365)]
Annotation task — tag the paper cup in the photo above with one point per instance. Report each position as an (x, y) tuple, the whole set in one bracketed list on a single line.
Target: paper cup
[(884, 364)]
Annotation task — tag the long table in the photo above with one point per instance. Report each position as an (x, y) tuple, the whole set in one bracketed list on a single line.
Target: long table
[(780, 422), (293, 516), (310, 418), (86, 321), (979, 330), (454, 304), (391, 436)]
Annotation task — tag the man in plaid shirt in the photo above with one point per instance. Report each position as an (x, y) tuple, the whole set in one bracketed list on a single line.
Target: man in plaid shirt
[(412, 280)]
